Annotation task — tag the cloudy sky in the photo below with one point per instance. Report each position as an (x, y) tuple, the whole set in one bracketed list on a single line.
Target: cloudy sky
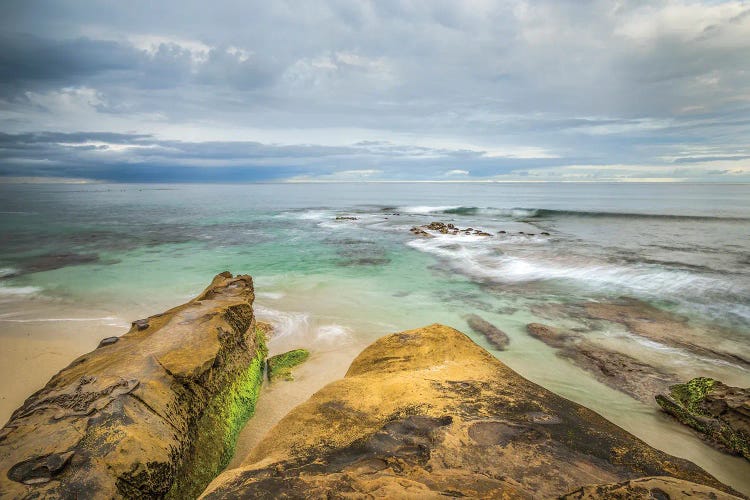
[(183, 90)]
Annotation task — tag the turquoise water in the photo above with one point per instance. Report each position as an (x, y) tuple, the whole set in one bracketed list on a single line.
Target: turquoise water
[(113, 253)]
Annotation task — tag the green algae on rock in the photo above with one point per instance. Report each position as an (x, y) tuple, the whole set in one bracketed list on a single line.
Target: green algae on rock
[(427, 413), (154, 414), (720, 413), (280, 366)]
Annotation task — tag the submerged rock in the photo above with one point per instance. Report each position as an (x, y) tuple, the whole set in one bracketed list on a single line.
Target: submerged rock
[(720, 413), (495, 336), (619, 371), (280, 366), (155, 414), (661, 326), (427, 413)]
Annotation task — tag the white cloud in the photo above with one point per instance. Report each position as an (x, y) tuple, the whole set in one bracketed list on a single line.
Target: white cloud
[(457, 172)]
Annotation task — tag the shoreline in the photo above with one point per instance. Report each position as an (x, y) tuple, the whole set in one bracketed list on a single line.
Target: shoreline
[(51, 346)]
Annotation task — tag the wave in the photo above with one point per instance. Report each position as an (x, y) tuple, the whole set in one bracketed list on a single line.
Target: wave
[(6, 272), (482, 261), (332, 333), (269, 295), (15, 291), (545, 213), (284, 322)]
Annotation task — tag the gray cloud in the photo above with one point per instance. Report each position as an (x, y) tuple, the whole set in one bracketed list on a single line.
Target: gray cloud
[(407, 89)]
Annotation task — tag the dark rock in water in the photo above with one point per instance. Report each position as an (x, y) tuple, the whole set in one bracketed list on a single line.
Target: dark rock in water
[(427, 413), (56, 261), (495, 336), (280, 366), (619, 371), (502, 232), (544, 233), (720, 413), (108, 341), (420, 232), (141, 324), (153, 415), (345, 217), (648, 488)]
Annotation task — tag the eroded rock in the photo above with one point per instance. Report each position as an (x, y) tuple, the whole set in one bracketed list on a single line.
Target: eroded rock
[(427, 413), (718, 412), (649, 488), (153, 415)]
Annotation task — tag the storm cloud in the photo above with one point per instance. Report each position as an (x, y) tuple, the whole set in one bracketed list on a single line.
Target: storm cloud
[(350, 90)]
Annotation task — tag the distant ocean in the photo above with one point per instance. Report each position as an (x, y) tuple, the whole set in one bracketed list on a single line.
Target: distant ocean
[(120, 252)]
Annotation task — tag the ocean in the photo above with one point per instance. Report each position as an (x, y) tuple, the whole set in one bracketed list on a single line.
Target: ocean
[(78, 262)]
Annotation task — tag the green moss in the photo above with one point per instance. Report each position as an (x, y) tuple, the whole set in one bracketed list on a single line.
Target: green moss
[(219, 426), (280, 366), (691, 394)]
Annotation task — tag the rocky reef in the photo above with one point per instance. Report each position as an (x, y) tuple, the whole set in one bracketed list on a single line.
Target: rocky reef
[(427, 413), (615, 369), (151, 414), (718, 412), (280, 366)]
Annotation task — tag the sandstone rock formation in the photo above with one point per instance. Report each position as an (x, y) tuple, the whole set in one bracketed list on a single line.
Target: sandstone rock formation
[(649, 488), (617, 370), (427, 413), (154, 414), (720, 413)]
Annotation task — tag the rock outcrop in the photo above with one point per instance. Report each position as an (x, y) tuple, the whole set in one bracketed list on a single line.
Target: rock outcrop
[(427, 413), (154, 414), (720, 413), (615, 369)]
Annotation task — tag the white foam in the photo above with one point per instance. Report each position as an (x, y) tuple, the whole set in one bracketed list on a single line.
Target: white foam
[(425, 209), (15, 291), (481, 260), (332, 333), (7, 271), (270, 295), (284, 322)]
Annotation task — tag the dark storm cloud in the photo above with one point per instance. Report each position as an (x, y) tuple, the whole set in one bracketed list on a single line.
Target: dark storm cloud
[(389, 89)]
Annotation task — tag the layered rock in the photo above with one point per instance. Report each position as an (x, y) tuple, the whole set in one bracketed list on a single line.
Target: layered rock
[(615, 369), (153, 414), (427, 413), (720, 413)]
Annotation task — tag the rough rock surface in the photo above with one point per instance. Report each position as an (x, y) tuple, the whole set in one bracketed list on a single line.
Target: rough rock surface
[(154, 414), (720, 413), (619, 371), (427, 413), (495, 336), (649, 488)]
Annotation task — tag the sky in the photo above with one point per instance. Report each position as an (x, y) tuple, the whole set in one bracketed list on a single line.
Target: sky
[(237, 91)]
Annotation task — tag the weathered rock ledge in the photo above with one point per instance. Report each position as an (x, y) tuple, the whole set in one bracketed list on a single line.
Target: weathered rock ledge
[(718, 412), (427, 413), (151, 414)]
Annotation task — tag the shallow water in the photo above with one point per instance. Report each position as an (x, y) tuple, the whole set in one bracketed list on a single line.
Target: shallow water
[(79, 262)]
